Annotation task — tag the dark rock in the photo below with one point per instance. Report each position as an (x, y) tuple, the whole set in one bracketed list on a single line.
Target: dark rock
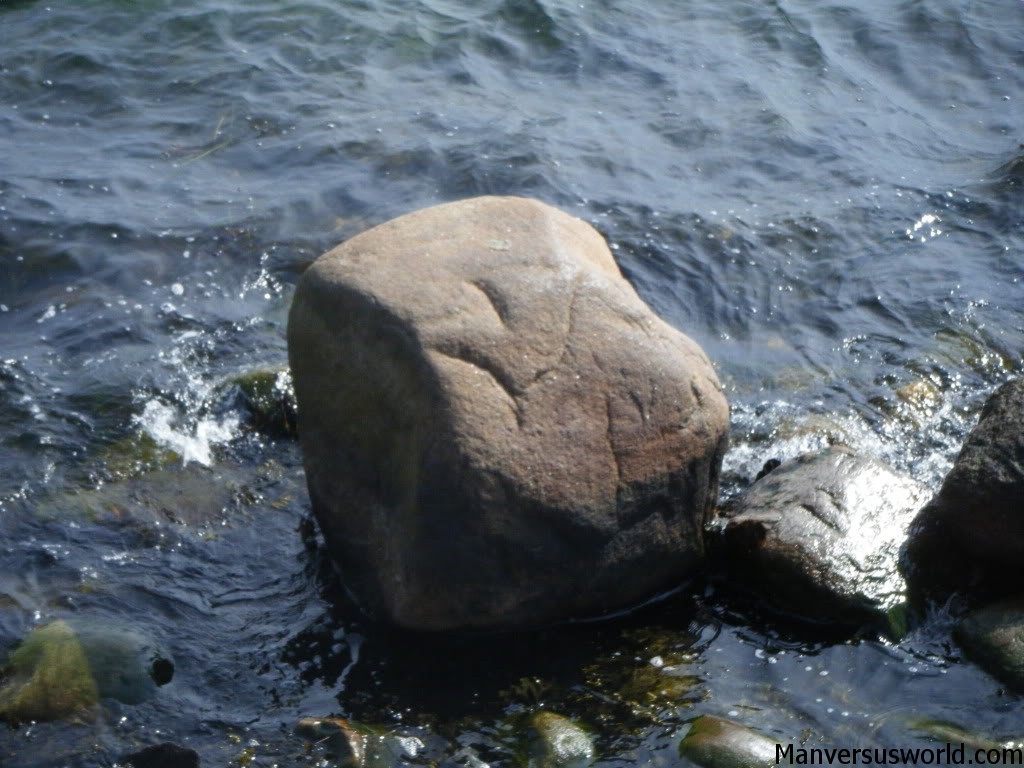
[(339, 738), (714, 742), (356, 745), (162, 756), (497, 431), (970, 537), (819, 536), (267, 398), (770, 465), (993, 637)]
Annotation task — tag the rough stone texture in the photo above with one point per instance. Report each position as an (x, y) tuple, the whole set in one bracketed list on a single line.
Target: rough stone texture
[(993, 636), (970, 537), (497, 431), (819, 536)]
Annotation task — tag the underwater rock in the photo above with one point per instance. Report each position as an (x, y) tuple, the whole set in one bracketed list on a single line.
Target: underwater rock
[(161, 756), (355, 745), (970, 537), (714, 742), (64, 668), (497, 431), (951, 733), (993, 637), (339, 738), (819, 536), (188, 495), (555, 741)]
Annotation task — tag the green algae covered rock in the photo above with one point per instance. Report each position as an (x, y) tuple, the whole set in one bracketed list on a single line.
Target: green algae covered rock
[(267, 397), (63, 669), (714, 742)]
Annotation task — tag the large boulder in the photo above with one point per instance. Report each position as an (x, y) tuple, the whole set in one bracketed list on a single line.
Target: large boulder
[(819, 537), (497, 431), (970, 537)]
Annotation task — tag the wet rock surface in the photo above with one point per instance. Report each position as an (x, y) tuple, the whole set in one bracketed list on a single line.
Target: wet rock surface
[(555, 741), (714, 742), (344, 742), (497, 430), (65, 668), (970, 537), (819, 536), (993, 636)]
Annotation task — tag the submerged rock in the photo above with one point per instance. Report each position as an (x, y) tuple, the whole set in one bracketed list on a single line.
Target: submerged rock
[(338, 737), (355, 745), (970, 537), (267, 398), (819, 536), (64, 668), (497, 430), (714, 742), (993, 637), (188, 495), (161, 756), (556, 741), (951, 733)]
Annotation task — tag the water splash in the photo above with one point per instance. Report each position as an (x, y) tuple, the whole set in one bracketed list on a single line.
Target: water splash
[(193, 439)]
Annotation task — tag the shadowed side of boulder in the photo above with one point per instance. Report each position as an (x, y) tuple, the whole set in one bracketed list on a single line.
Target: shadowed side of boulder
[(497, 431), (970, 537)]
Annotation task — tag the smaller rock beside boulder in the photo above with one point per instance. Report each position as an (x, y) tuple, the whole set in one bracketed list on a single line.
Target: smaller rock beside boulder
[(715, 742), (993, 637), (970, 537), (819, 537)]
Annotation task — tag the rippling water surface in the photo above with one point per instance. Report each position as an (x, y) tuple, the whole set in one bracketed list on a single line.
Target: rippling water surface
[(827, 196)]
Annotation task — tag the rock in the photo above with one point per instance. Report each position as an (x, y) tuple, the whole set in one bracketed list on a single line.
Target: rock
[(64, 668), (556, 741), (338, 737), (161, 756), (497, 431), (951, 733), (266, 397), (819, 536), (993, 637), (714, 742), (355, 745), (970, 537)]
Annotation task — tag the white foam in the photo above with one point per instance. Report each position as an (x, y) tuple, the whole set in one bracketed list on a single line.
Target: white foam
[(192, 440)]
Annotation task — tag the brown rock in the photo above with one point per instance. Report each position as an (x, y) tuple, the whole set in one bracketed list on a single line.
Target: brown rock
[(819, 536), (970, 537), (497, 431)]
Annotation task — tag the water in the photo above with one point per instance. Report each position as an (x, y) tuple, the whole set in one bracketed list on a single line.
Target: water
[(828, 197)]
